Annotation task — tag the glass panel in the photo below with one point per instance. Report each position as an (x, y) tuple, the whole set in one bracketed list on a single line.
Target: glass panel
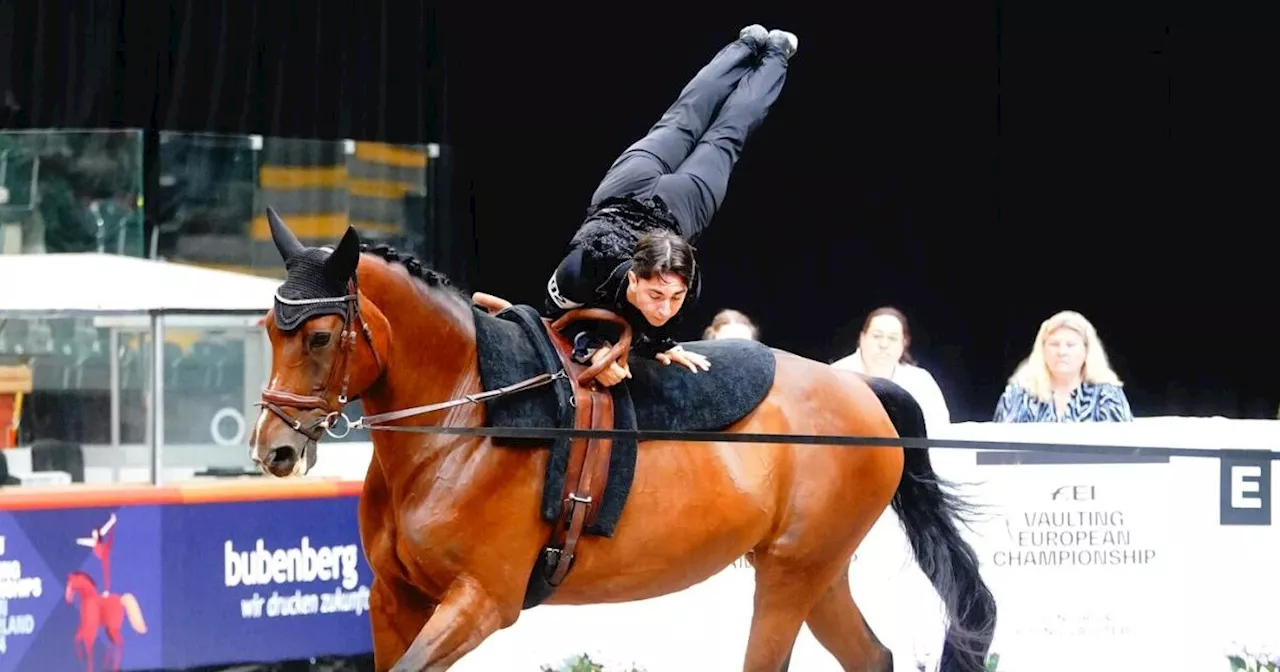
[(206, 199), (71, 191), (213, 374), (215, 190), (64, 413), (80, 191)]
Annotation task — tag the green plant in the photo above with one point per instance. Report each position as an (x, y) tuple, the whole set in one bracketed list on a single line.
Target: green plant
[(583, 663), (1254, 662)]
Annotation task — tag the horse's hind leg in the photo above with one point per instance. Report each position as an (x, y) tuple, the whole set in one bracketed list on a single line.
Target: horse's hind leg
[(838, 625), (784, 597), (465, 617), (115, 651)]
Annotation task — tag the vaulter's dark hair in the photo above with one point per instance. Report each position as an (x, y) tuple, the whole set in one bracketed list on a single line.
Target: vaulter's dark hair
[(663, 251)]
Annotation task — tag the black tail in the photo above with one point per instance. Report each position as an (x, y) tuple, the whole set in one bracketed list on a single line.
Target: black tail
[(929, 513)]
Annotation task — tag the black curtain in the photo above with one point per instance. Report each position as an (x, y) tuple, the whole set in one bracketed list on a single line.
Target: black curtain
[(980, 166), (366, 70)]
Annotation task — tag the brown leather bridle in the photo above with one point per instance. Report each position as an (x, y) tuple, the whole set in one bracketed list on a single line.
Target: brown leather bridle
[(277, 401)]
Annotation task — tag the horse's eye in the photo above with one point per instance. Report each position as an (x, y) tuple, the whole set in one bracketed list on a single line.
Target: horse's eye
[(319, 339)]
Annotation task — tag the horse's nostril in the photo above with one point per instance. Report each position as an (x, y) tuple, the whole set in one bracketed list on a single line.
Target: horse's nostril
[(282, 456)]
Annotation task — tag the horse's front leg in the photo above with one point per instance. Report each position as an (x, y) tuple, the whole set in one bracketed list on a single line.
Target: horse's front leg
[(397, 615), (465, 617)]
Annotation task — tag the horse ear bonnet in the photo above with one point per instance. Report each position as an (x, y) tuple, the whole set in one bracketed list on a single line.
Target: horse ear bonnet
[(306, 279)]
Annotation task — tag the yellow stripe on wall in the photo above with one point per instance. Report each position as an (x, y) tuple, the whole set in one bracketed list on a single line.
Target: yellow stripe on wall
[(328, 227), (387, 189), (294, 177), (390, 155)]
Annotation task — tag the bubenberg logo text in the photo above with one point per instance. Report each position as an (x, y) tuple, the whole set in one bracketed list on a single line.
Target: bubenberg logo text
[(302, 564)]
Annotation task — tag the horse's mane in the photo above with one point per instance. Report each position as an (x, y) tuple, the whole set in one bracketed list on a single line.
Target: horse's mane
[(419, 271), (85, 575)]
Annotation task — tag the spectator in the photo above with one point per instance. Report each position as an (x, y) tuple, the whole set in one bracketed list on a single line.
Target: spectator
[(730, 323), (884, 351), (1067, 378)]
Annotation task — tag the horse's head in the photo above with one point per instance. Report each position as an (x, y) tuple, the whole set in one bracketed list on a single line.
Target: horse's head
[(323, 350), (78, 582)]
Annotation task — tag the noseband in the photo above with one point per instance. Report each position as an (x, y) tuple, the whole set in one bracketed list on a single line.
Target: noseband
[(278, 401)]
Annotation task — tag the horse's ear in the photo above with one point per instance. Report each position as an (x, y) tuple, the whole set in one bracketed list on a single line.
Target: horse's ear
[(286, 243), (341, 265)]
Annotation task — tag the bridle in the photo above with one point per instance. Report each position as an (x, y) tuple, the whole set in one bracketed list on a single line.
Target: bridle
[(277, 401)]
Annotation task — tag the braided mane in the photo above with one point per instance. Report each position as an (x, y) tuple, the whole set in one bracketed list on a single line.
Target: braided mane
[(425, 274)]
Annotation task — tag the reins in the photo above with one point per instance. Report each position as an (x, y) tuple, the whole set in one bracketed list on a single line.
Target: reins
[(279, 401), (375, 421)]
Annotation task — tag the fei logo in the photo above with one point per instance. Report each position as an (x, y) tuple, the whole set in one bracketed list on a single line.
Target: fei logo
[(1245, 487), (303, 564), (1074, 493)]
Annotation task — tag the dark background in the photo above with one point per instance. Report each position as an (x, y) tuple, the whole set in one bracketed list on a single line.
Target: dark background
[(978, 165)]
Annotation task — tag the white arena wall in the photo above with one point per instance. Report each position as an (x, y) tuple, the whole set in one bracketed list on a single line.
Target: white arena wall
[(1178, 589)]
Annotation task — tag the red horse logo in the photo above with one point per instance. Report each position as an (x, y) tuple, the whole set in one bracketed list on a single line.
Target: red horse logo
[(102, 610)]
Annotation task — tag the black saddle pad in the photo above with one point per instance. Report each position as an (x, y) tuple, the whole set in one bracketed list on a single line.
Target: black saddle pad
[(513, 346), (676, 399)]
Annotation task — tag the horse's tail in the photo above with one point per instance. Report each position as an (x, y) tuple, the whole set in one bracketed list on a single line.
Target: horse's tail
[(929, 513), (134, 612)]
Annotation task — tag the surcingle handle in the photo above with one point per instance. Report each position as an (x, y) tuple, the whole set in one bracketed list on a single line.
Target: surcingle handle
[(619, 353)]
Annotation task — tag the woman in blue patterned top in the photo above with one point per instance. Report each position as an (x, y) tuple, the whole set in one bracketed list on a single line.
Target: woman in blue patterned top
[(1067, 378)]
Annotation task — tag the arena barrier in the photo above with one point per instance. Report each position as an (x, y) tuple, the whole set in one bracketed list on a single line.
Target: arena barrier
[(1158, 558), (219, 574), (1102, 561)]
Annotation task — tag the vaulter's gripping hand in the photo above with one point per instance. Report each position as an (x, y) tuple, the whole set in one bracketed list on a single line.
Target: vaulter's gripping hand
[(690, 360), (615, 373)]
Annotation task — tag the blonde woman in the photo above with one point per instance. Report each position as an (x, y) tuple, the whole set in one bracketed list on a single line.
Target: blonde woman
[(1066, 379)]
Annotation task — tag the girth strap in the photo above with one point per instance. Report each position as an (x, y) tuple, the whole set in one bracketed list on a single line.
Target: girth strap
[(585, 481), (587, 473)]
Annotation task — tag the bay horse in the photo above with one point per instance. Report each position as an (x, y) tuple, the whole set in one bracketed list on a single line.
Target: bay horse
[(450, 524), (105, 612)]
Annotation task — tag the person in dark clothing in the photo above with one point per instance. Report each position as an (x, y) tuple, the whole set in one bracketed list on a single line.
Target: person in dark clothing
[(633, 254)]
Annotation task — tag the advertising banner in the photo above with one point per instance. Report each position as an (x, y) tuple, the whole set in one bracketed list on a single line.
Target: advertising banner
[(1080, 558), (262, 581), (181, 585), (79, 585)]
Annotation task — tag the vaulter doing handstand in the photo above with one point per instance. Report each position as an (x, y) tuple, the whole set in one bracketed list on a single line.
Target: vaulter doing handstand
[(633, 254)]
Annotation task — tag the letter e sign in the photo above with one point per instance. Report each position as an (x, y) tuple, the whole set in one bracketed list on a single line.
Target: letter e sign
[(1245, 491)]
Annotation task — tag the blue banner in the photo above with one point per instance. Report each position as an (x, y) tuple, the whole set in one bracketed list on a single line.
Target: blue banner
[(262, 581), (177, 586)]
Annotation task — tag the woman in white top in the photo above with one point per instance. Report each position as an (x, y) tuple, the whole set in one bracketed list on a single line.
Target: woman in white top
[(884, 351)]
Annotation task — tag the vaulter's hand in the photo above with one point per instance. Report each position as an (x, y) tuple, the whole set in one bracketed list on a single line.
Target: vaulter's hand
[(615, 373), (690, 360)]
